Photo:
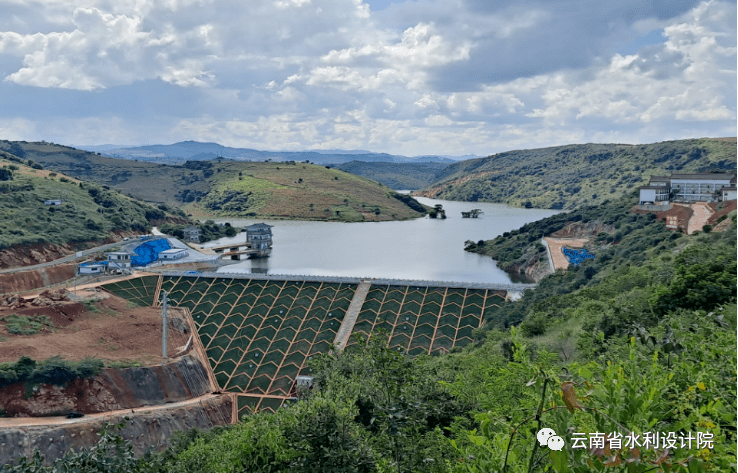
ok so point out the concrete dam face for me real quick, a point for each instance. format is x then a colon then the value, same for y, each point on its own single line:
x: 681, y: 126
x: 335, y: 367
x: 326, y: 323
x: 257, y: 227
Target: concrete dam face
x: 259, y: 332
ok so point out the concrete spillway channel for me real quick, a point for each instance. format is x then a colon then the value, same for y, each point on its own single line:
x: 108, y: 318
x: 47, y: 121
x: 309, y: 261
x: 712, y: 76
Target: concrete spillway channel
x: 347, y: 326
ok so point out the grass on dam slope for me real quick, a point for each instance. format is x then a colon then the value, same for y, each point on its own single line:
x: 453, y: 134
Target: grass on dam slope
x: 259, y: 334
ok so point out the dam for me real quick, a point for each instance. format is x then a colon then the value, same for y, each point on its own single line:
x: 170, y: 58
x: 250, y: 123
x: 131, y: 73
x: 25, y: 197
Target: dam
x: 259, y: 331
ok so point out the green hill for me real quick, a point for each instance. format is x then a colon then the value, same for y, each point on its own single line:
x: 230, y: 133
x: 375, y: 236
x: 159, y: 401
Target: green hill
x: 88, y: 212
x: 146, y: 181
x: 222, y: 188
x: 301, y: 191
x: 408, y: 176
x: 565, y: 177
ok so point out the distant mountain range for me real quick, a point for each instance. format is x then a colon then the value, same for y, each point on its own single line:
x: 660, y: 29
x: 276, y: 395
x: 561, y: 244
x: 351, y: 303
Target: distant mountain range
x: 178, y: 153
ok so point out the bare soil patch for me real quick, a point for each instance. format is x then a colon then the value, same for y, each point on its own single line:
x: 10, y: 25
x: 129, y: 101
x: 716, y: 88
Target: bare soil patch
x: 111, y: 329
x: 557, y: 253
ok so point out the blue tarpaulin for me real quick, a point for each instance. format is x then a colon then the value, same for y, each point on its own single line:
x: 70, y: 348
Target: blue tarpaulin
x: 576, y: 256
x: 95, y: 263
x: 148, y: 252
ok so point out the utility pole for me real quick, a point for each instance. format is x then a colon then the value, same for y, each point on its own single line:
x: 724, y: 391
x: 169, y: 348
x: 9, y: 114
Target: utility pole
x: 164, y: 326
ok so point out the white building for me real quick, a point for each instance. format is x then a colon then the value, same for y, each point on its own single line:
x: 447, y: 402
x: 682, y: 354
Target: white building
x: 700, y: 187
x: 119, y: 260
x: 93, y: 267
x: 697, y: 187
x: 174, y: 253
x: 729, y: 193
x: 191, y: 234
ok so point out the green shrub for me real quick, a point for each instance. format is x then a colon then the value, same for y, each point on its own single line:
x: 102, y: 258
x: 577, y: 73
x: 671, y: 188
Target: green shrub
x: 27, y: 324
x: 54, y: 370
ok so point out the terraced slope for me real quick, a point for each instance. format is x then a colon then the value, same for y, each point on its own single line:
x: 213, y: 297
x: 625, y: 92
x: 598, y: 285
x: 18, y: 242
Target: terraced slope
x: 140, y: 291
x: 260, y: 334
x: 425, y: 320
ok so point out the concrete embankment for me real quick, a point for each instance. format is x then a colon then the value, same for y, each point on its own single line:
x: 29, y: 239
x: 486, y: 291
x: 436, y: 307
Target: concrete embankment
x: 36, y: 278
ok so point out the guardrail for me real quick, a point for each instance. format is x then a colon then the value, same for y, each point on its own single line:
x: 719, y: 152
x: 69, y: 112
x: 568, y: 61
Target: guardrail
x: 352, y: 280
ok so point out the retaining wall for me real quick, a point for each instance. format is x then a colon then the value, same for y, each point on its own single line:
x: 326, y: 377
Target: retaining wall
x: 147, y: 428
x: 36, y: 278
x: 112, y: 389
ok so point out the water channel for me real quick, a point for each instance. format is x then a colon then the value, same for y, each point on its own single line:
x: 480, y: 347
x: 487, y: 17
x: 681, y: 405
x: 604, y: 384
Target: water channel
x: 424, y: 248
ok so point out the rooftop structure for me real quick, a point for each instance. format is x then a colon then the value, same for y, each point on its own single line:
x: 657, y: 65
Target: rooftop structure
x: 93, y: 267
x: 173, y: 253
x: 119, y: 260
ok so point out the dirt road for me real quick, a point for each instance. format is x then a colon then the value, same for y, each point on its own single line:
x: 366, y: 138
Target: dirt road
x: 556, y: 253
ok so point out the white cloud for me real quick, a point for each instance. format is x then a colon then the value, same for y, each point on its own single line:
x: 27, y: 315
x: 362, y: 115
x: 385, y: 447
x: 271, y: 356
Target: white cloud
x: 469, y: 76
x: 17, y: 129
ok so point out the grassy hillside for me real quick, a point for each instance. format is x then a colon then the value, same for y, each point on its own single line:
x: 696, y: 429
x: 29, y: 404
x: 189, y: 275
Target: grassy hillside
x: 299, y: 190
x: 150, y: 182
x: 565, y: 177
x: 89, y: 212
x: 409, y: 176
x: 222, y: 188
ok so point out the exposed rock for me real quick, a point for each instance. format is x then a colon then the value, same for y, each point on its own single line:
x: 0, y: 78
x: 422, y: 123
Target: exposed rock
x: 56, y: 294
x: 145, y: 430
x: 12, y: 301
x: 37, y: 278
x: 46, y: 400
x: 583, y: 230
x: 42, y: 302
x: 112, y: 389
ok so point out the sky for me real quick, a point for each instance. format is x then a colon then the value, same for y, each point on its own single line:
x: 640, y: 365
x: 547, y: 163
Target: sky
x: 412, y: 77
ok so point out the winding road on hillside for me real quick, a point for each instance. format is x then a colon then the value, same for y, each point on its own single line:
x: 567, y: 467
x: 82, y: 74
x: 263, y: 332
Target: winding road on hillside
x: 65, y: 259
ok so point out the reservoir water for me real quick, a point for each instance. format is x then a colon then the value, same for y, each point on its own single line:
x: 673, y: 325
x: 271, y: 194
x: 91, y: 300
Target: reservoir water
x: 425, y: 248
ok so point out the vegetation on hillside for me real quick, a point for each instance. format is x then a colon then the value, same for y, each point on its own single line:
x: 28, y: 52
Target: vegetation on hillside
x: 407, y: 176
x: 88, y: 212
x: 54, y: 370
x: 26, y: 324
x: 517, y: 249
x: 150, y: 182
x: 640, y: 340
x: 209, y: 230
x: 302, y: 191
x: 567, y: 177
x: 225, y: 188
